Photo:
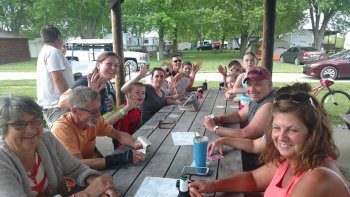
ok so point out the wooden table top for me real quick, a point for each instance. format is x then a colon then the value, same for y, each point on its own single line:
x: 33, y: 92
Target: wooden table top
x: 164, y: 159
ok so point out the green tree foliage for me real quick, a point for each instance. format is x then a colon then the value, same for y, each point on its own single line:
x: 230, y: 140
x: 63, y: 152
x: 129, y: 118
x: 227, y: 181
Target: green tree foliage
x: 321, y: 13
x: 84, y: 18
x: 13, y: 14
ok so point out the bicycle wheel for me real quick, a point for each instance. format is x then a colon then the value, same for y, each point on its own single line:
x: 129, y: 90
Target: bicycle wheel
x: 336, y: 103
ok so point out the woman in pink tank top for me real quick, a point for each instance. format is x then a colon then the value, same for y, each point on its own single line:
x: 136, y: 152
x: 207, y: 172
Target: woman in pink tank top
x: 299, y: 155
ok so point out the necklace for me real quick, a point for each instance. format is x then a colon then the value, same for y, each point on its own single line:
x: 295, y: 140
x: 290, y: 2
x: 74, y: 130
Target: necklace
x: 29, y: 171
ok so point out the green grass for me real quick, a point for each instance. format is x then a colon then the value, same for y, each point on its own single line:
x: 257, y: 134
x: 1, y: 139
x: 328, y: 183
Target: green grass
x: 211, y: 60
x: 28, y: 87
x: 338, y: 86
x: 27, y: 66
x: 18, y: 87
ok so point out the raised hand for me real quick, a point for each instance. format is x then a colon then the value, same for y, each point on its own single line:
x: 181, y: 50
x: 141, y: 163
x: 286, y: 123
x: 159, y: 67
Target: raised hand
x: 177, y: 77
x: 196, y: 67
x: 172, y: 83
x: 96, y: 82
x: 131, y: 104
x: 222, y: 70
x: 143, y: 71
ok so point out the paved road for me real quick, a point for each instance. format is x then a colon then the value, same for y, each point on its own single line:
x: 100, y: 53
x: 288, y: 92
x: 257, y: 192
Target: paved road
x: 276, y: 77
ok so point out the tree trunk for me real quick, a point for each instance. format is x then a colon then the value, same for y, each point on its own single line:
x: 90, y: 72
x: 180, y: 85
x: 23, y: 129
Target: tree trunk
x: 318, y: 31
x: 175, y: 40
x: 244, y: 43
x: 161, y: 42
x: 222, y: 42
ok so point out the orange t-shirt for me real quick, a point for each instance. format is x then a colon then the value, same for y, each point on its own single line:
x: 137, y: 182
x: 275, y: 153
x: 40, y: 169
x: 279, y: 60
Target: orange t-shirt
x: 76, y: 140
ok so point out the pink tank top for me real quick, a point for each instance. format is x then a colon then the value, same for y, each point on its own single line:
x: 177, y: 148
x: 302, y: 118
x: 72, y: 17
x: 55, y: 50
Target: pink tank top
x: 275, y: 190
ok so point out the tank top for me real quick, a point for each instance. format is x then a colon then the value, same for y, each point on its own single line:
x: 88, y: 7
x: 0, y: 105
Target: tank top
x: 275, y: 190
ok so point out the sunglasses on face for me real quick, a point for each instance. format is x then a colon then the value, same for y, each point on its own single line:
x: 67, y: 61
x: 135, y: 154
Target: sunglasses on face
x: 22, y: 125
x: 167, y: 70
x: 176, y: 61
x: 299, y: 98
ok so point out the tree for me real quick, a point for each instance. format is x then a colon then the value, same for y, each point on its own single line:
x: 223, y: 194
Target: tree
x: 13, y: 14
x: 84, y: 18
x: 321, y: 12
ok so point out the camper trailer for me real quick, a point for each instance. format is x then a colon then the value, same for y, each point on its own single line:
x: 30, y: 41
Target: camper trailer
x: 303, y: 38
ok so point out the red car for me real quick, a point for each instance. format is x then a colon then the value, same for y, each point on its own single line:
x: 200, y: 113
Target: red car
x: 334, y: 66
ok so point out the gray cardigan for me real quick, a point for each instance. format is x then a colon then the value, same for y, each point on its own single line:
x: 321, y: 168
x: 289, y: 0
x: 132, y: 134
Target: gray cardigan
x: 57, y: 162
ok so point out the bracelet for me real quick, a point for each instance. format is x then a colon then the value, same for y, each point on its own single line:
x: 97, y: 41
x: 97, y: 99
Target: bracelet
x: 122, y: 111
x: 221, y: 120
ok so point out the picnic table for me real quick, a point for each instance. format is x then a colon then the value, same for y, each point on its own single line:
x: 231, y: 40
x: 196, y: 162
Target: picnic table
x: 164, y: 159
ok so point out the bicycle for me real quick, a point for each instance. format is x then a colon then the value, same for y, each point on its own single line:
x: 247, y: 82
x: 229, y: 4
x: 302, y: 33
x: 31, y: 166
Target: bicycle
x: 335, y: 102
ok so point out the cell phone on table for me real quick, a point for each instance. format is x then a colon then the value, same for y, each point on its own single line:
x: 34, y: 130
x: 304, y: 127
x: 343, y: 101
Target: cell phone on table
x: 201, y: 171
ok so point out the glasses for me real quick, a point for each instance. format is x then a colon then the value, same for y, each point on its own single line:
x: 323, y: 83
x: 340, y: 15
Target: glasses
x: 296, y: 98
x: 167, y: 70
x: 22, y: 125
x: 92, y: 112
x: 176, y: 61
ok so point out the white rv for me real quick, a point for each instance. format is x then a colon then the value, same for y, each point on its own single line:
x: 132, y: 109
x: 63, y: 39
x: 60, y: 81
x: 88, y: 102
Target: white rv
x: 303, y: 38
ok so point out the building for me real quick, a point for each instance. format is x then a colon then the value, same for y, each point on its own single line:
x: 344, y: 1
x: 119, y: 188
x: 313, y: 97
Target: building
x: 13, y: 48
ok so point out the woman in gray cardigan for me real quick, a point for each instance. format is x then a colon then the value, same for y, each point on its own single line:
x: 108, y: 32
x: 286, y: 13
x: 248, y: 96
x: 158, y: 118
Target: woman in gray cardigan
x: 33, y: 162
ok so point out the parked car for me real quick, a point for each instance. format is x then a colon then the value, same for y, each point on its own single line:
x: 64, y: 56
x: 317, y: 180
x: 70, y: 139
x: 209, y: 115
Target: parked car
x: 300, y: 55
x: 334, y: 66
x: 207, y: 47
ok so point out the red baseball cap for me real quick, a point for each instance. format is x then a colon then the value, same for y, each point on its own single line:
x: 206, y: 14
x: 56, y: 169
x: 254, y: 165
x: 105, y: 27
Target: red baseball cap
x: 258, y: 73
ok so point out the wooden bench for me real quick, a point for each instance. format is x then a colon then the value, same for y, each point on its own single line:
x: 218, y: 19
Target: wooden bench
x: 346, y: 118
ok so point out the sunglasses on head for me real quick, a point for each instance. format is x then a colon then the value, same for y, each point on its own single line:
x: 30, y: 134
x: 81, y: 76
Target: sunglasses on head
x: 299, y: 98
x: 176, y: 61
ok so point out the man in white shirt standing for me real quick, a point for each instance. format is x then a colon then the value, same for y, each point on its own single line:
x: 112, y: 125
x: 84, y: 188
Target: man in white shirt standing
x: 54, y: 74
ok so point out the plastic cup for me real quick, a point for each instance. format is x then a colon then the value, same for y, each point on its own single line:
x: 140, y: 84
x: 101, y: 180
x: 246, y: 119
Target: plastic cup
x: 200, y: 144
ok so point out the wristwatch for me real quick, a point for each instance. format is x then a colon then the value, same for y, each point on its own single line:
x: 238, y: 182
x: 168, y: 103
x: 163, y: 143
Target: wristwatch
x: 216, y: 128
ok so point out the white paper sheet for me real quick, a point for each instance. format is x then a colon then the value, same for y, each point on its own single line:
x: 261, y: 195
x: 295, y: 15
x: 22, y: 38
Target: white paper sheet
x: 173, y: 115
x: 183, y: 138
x: 145, y: 144
x: 157, y: 187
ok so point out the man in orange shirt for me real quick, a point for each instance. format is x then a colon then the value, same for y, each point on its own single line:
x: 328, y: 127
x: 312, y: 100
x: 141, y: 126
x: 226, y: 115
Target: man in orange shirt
x: 77, y: 131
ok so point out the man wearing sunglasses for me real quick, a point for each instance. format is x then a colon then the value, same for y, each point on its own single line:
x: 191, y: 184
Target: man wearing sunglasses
x: 77, y: 131
x: 176, y: 64
x: 255, y: 116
